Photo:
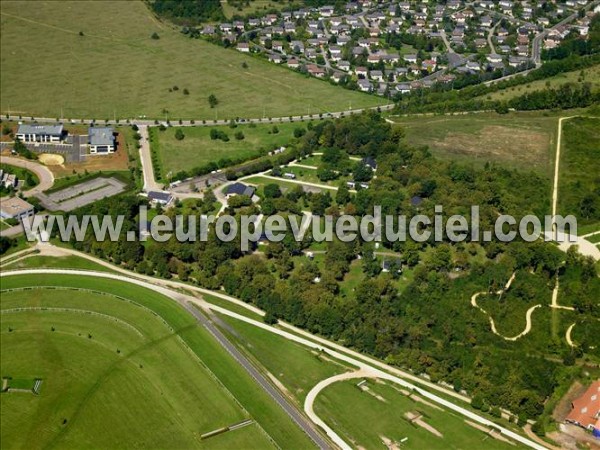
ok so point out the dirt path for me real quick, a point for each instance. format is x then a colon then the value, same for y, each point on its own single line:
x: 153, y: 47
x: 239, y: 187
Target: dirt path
x: 528, y: 323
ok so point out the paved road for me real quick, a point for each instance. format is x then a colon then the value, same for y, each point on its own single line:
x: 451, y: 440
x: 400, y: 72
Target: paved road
x: 44, y: 174
x: 186, y: 301
x: 150, y: 183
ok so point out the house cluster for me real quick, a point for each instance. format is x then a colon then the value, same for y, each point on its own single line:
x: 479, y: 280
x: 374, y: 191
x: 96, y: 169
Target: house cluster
x: 100, y: 140
x: 390, y: 47
x: 9, y: 180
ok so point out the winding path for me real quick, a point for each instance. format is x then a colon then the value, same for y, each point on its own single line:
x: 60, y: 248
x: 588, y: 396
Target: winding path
x: 528, y: 323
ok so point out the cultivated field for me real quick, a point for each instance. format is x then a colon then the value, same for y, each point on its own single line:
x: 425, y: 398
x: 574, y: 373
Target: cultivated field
x: 136, y: 373
x: 198, y: 149
x: 377, y: 419
x: 519, y: 140
x: 105, y: 64
x: 589, y: 75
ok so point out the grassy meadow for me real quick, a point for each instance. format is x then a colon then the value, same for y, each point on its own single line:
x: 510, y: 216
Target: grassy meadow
x: 589, y: 75
x: 97, y: 60
x: 579, y: 176
x: 197, y: 148
x: 523, y: 141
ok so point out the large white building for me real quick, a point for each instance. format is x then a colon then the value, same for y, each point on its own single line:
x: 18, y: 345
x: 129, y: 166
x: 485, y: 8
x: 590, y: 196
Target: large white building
x: 40, y: 133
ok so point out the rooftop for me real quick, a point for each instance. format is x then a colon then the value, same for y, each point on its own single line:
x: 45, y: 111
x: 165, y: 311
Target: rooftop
x: 101, y: 136
x: 25, y: 128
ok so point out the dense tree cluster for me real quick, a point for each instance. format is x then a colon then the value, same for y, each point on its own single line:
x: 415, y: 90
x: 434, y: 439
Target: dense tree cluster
x: 188, y: 12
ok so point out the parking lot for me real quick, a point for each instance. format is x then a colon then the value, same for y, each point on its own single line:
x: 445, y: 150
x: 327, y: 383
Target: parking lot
x: 82, y: 194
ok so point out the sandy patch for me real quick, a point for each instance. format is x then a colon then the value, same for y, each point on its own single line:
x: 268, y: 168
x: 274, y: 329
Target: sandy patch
x: 391, y: 445
x: 417, y: 419
x: 51, y: 159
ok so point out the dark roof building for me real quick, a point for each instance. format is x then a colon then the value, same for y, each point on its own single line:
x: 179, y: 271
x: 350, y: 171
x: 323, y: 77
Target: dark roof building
x: 240, y: 189
x: 163, y: 198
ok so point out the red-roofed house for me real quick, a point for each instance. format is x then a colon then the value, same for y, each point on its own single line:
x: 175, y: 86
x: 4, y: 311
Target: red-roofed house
x: 586, y: 410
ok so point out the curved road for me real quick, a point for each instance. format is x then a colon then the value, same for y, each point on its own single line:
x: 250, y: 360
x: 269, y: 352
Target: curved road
x: 185, y: 300
x: 43, y: 173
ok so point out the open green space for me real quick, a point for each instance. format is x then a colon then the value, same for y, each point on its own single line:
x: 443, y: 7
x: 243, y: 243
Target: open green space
x: 152, y: 366
x: 197, y: 148
x: 579, y: 178
x: 260, y: 182
x: 296, y: 367
x: 105, y: 64
x: 518, y: 140
x: 589, y: 75
x: 67, y: 262
x: 378, y: 414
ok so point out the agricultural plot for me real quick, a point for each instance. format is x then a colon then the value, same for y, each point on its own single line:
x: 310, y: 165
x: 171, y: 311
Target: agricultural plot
x: 107, y: 65
x: 152, y: 365
x: 518, y: 140
x: 384, y: 415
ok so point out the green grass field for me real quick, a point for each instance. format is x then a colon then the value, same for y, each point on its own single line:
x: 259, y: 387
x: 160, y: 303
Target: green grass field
x: 198, y: 149
x: 518, y: 140
x: 156, y: 379
x: 116, y: 69
x: 370, y: 419
x: 69, y: 262
x: 296, y: 367
x: 579, y: 177
x: 590, y: 75
x: 22, y: 174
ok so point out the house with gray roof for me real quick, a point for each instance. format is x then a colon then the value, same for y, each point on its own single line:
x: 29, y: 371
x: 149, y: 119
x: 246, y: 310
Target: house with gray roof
x: 101, y: 140
x: 40, y: 133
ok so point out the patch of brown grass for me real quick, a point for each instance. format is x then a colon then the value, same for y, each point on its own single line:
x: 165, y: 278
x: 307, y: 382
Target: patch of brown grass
x: 493, y: 141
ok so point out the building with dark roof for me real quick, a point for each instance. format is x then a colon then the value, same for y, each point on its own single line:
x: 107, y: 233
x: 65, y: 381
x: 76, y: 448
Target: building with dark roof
x: 160, y: 198
x: 240, y: 189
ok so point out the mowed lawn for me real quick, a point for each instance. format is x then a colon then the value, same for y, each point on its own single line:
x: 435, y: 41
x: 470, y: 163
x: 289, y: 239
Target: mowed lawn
x: 197, y: 148
x: 368, y: 418
x: 117, y: 69
x: 117, y: 373
x: 517, y: 140
x: 579, y: 177
x: 590, y: 75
